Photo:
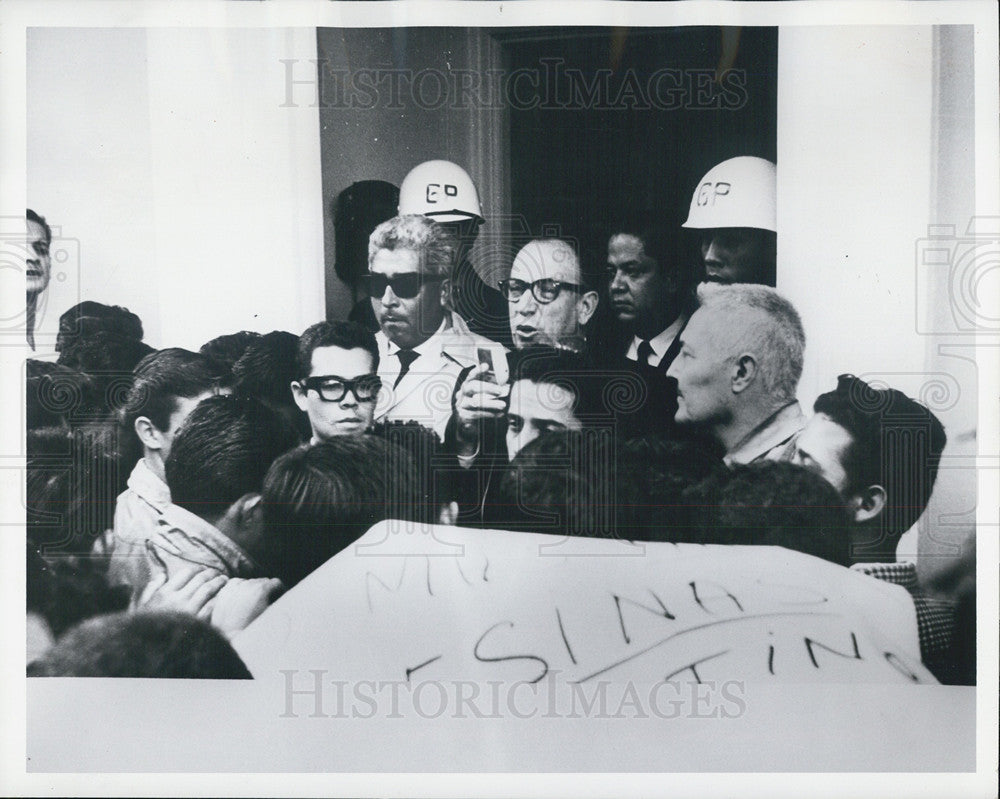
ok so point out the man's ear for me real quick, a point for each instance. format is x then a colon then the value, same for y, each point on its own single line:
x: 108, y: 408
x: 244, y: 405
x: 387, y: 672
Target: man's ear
x: 299, y: 395
x: 251, y: 509
x: 586, y: 306
x: 446, y: 288
x: 149, y: 434
x: 744, y: 372
x: 867, y: 504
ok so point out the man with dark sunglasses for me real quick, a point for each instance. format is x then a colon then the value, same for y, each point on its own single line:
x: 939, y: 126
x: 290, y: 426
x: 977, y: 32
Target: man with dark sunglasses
x: 423, y: 347
x: 338, y: 385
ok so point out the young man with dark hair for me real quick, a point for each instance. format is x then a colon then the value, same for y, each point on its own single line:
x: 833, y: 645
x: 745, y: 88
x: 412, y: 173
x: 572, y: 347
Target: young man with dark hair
x: 319, y: 499
x: 167, y: 385
x: 881, y: 451
x: 336, y: 380
x: 215, y: 472
x: 172, y: 645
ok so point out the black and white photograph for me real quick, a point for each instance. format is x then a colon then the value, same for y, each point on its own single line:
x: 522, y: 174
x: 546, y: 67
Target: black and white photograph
x: 500, y: 398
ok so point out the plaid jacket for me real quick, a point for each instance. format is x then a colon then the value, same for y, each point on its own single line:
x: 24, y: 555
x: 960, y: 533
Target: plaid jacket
x: 935, y: 617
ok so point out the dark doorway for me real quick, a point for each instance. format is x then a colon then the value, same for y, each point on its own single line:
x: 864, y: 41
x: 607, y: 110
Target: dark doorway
x: 607, y: 122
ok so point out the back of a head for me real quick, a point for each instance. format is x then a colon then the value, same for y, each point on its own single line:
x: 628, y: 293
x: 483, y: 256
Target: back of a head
x: 222, y: 452
x: 357, y: 211
x: 772, y: 504
x: 562, y: 483
x: 72, y: 480
x: 87, y: 318
x: 228, y: 349
x: 759, y: 320
x: 267, y: 368
x: 105, y: 354
x: 56, y: 395
x: 162, y: 377
x: 170, y: 645
x: 653, y: 475
x: 896, y: 443
x: 319, y: 499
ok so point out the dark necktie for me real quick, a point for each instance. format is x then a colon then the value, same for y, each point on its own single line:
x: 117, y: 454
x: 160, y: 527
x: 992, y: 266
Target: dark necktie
x: 644, y: 352
x: 406, y: 359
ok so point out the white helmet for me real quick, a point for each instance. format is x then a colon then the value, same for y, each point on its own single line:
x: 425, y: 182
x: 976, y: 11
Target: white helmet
x: 739, y: 192
x: 441, y: 190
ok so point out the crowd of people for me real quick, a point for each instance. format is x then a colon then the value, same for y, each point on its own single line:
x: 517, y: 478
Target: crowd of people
x: 174, y: 495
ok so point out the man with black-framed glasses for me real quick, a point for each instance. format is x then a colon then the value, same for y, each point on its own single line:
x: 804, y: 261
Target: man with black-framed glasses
x: 550, y: 303
x: 338, y: 385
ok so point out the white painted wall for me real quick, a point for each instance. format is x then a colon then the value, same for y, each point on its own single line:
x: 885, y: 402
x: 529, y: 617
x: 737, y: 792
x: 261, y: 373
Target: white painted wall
x: 194, y: 196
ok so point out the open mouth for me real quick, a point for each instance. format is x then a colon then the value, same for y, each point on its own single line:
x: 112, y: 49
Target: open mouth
x: 34, y: 273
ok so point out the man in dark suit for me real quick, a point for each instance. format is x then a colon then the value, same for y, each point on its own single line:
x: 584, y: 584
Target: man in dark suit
x: 648, y: 291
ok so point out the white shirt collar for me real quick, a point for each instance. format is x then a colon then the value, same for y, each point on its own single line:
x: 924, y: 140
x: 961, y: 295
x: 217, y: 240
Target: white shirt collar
x: 660, y: 342
x: 425, y: 347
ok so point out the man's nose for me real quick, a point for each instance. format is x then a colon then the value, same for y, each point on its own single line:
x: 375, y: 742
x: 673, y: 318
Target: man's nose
x: 526, y: 304
x: 389, y: 299
x: 617, y: 283
x: 348, y: 400
x: 711, y: 252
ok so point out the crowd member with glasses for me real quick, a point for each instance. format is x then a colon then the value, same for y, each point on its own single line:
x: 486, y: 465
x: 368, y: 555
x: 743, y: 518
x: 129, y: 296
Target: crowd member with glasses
x: 550, y: 302
x: 338, y: 383
x: 423, y: 347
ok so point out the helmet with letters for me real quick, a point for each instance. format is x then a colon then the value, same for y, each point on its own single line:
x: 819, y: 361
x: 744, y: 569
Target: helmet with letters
x: 740, y: 192
x: 441, y: 190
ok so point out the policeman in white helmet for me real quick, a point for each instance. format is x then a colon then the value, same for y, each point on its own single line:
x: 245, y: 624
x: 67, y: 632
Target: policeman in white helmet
x: 734, y: 207
x: 443, y: 191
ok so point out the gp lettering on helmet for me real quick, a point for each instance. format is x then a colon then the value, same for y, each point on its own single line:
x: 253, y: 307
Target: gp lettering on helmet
x: 708, y: 192
x: 740, y: 192
x: 436, y: 191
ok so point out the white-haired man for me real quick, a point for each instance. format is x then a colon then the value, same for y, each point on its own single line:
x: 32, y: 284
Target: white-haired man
x: 423, y: 347
x: 738, y: 370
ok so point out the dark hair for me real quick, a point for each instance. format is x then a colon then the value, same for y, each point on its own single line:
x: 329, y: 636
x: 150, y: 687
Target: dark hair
x: 267, y: 367
x: 222, y: 452
x: 574, y: 373
x: 227, y: 350
x: 109, y: 359
x: 664, y: 243
x: 143, y: 644
x: 58, y: 396
x: 73, y: 478
x: 319, y: 499
x: 67, y: 590
x: 164, y: 376
x: 653, y: 475
x: 771, y: 504
x: 33, y: 217
x: 87, y: 318
x: 561, y: 483
x: 895, y: 442
x: 346, y: 335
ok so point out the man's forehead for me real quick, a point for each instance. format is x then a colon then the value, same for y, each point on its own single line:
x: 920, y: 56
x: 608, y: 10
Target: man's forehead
x: 539, y: 260
x: 625, y: 245
x: 542, y: 398
x: 340, y: 361
x: 397, y: 261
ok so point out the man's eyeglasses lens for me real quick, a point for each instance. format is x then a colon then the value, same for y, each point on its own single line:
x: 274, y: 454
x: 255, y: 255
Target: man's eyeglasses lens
x: 545, y: 290
x: 405, y: 286
x: 334, y: 388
